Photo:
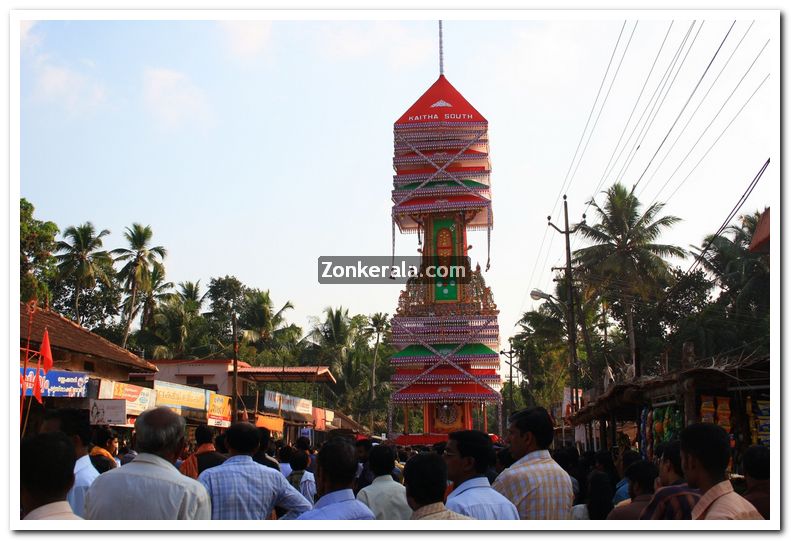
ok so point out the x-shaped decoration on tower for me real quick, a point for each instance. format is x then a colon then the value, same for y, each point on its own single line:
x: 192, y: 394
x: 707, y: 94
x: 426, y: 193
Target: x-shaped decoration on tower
x: 440, y: 170
x: 446, y: 357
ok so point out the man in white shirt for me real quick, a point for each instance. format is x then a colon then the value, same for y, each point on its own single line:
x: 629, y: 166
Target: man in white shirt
x: 384, y: 496
x: 46, y: 473
x: 77, y: 427
x: 150, y: 487
x: 468, y: 455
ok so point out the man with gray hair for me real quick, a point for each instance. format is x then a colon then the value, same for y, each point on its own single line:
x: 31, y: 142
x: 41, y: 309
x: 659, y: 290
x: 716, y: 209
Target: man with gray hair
x: 150, y: 487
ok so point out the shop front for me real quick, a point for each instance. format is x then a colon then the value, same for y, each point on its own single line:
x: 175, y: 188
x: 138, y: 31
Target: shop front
x: 296, y: 412
x: 59, y: 389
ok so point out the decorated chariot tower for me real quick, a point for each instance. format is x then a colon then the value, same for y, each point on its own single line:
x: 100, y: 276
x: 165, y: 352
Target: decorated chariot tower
x: 446, y: 329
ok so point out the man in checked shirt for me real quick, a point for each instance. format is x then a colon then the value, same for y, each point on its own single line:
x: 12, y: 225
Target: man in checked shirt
x: 241, y: 489
x: 538, y: 487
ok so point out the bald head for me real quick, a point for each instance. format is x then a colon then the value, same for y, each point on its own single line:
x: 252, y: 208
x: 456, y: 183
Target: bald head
x: 160, y: 432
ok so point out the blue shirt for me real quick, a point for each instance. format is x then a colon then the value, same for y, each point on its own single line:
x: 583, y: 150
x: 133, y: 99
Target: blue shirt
x: 241, y: 489
x: 621, y: 491
x: 476, y: 498
x: 339, y: 505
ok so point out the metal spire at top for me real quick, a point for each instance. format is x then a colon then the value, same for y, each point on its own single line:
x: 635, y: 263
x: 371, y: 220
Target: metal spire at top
x: 441, y: 66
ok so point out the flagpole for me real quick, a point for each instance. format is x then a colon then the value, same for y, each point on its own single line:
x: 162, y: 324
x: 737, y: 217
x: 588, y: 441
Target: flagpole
x: 27, y: 415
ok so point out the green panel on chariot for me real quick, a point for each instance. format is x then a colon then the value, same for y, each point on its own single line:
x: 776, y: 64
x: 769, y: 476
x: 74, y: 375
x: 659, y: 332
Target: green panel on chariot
x: 442, y: 184
x: 444, y: 238
x: 416, y: 350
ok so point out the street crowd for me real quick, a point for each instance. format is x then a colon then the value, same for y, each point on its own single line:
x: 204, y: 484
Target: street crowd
x: 69, y: 472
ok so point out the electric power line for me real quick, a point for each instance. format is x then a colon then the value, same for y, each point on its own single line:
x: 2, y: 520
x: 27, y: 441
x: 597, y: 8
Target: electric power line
x: 710, y: 123
x: 660, y: 103
x: 702, y: 101
x: 574, y: 157
x: 691, y: 95
x: 719, y: 137
x: 634, y: 108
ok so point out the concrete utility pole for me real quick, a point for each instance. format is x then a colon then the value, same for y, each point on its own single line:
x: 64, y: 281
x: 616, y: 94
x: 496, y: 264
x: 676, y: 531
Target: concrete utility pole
x: 510, y: 354
x: 570, y: 324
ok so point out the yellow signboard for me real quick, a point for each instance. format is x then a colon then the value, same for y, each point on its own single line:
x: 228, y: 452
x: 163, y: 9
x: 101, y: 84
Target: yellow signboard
x: 219, y: 410
x: 173, y: 394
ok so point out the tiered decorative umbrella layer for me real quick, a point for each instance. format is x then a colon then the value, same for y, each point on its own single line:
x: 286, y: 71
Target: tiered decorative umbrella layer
x: 448, y: 365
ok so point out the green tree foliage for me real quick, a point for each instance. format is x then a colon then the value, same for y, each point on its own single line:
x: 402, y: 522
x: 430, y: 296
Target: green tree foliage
x: 542, y: 352
x: 265, y: 327
x: 138, y: 260
x: 81, y: 261
x: 37, y: 265
x: 99, y: 305
x: 625, y: 261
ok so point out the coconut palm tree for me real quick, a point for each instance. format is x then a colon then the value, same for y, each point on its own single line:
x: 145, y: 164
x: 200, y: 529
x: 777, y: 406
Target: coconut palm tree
x: 335, y: 335
x: 139, y: 259
x: 265, y: 327
x: 378, y: 325
x: 173, y: 326
x: 81, y: 260
x: 625, y: 258
x: 189, y: 294
x: 156, y: 290
x: 743, y: 275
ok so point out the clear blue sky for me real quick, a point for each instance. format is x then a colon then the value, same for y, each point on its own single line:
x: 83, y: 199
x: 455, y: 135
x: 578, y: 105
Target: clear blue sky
x: 253, y: 148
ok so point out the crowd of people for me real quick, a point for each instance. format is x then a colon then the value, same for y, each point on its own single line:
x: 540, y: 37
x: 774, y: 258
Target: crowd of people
x: 69, y: 472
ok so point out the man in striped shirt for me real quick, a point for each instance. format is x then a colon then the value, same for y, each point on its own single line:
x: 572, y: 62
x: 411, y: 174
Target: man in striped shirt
x: 675, y: 499
x: 538, y: 487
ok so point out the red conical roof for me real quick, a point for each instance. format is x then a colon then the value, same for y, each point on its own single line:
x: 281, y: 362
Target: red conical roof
x: 441, y: 103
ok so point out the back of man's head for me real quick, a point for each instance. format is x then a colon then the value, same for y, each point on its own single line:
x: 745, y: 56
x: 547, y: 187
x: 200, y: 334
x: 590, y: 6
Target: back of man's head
x: 285, y: 453
x: 299, y: 460
x: 709, y: 444
x: 641, y: 475
x: 756, y: 462
x: 671, y: 453
x: 302, y: 443
x: 536, y: 420
x: 46, y: 465
x: 381, y: 460
x: 242, y: 438
x: 159, y: 431
x: 628, y: 458
x: 203, y: 434
x: 102, y: 435
x: 476, y: 445
x: 263, y: 438
x: 73, y: 423
x: 338, y: 462
x: 426, y: 478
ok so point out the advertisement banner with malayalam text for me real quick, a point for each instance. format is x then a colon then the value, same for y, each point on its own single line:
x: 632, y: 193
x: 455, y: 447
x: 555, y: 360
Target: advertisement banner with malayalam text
x: 139, y: 399
x: 173, y: 394
x: 56, y: 382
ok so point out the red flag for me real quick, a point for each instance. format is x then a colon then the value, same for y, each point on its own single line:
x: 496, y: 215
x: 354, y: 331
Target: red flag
x: 46, y: 352
x: 37, y: 384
